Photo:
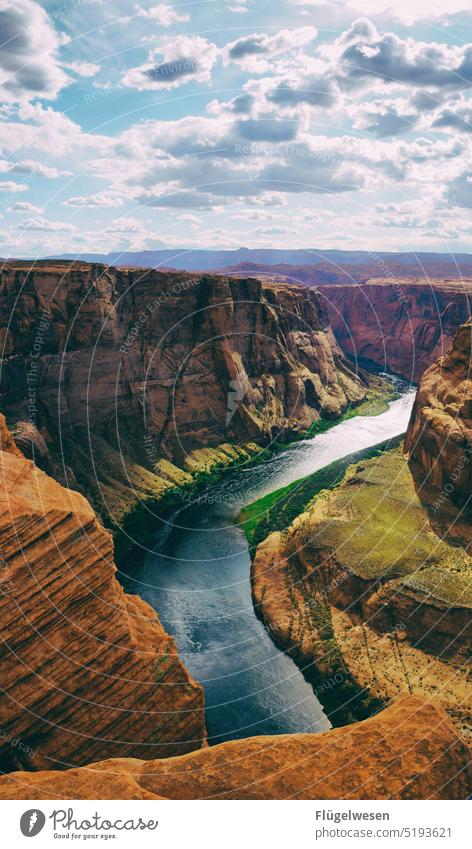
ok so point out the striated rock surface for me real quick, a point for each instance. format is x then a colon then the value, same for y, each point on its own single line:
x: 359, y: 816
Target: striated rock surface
x: 365, y: 595
x: 409, y: 751
x: 112, y: 378
x: 439, y: 438
x: 402, y: 325
x: 86, y: 671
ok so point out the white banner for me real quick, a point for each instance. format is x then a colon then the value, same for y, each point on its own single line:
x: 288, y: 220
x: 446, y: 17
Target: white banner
x: 242, y: 825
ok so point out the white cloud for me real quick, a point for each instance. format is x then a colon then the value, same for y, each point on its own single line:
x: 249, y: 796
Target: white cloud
x: 83, y: 69
x: 406, y: 11
x: 25, y: 206
x: 176, y: 61
x: 29, y: 63
x: 255, y: 52
x: 30, y: 168
x: 35, y: 127
x: 163, y: 14
x: 11, y: 186
x: 104, y: 199
x: 43, y: 225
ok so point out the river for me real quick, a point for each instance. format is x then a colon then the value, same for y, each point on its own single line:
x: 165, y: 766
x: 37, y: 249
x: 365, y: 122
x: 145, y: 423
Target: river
x: 197, y: 578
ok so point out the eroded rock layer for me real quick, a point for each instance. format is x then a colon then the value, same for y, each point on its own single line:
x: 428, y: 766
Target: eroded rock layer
x: 402, y: 325
x: 108, y: 373
x: 368, y: 598
x: 409, y: 751
x: 439, y: 439
x: 86, y: 671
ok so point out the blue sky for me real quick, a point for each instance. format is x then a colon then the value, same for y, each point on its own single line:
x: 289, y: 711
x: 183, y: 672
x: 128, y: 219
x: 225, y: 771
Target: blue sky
x: 296, y: 123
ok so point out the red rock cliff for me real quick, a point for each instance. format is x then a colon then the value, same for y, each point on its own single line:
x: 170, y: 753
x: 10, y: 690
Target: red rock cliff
x: 86, y: 671
x: 163, y: 363
x: 400, y: 325
x: 439, y: 438
x: 409, y: 751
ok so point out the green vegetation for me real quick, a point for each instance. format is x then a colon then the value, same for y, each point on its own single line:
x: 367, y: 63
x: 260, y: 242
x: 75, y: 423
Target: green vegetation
x: 277, y: 510
x: 446, y: 587
x: 163, y: 491
x: 378, y: 527
x: 376, y: 402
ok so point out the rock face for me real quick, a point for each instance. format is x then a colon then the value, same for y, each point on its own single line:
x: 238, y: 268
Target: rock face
x: 439, y: 438
x: 402, y: 325
x: 363, y: 593
x: 106, y: 372
x: 409, y: 751
x: 86, y: 671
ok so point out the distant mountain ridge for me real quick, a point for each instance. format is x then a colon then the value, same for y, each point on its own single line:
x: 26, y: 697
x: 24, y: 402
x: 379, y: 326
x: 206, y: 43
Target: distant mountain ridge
x: 373, y: 263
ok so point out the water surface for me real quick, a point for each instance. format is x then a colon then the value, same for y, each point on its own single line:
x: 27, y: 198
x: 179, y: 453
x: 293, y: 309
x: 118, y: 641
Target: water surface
x: 198, y: 580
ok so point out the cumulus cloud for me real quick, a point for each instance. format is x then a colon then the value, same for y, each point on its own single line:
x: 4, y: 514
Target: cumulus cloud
x: 83, y: 69
x: 31, y: 168
x: 25, y: 206
x: 365, y: 55
x: 313, y: 89
x: 406, y: 11
x: 385, y: 119
x: 44, y: 226
x: 267, y: 129
x: 174, y: 62
x: 11, y: 186
x: 49, y: 131
x: 240, y: 105
x: 29, y: 64
x: 457, y: 118
x: 104, y: 199
x: 459, y: 192
x: 256, y: 51
x: 176, y: 199
x: 163, y: 14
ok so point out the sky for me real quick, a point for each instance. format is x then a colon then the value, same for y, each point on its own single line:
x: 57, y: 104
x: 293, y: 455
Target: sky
x: 258, y: 123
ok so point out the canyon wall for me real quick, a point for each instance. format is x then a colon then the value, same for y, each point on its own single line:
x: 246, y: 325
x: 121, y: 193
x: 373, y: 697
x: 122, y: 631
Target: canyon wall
x: 409, y: 751
x: 111, y: 374
x: 403, y: 326
x: 362, y: 592
x: 439, y: 439
x: 86, y: 671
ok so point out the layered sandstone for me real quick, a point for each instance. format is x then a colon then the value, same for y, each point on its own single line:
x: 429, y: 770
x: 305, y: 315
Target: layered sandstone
x: 86, y: 671
x: 409, y: 751
x: 112, y: 378
x: 400, y: 325
x: 361, y: 590
x: 439, y: 438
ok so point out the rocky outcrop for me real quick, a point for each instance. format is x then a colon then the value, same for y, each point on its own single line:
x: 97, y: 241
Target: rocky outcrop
x: 439, y: 438
x: 361, y: 591
x: 113, y: 377
x: 409, y: 751
x: 401, y: 325
x: 86, y: 671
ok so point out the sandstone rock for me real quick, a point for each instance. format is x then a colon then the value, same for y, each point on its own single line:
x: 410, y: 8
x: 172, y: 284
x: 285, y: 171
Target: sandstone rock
x: 86, y: 671
x: 361, y: 565
x: 122, y: 367
x: 439, y: 438
x: 402, y: 325
x: 7, y: 443
x: 409, y: 751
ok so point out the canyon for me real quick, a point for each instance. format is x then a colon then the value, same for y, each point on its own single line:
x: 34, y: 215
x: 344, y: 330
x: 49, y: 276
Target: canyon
x: 373, y: 581
x: 122, y: 383
x: 409, y: 751
x: 439, y: 440
x: 85, y: 669
x: 401, y: 325
x: 129, y: 385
